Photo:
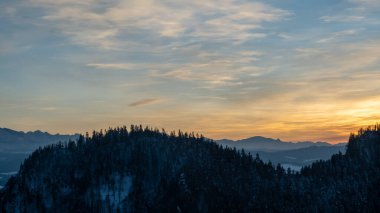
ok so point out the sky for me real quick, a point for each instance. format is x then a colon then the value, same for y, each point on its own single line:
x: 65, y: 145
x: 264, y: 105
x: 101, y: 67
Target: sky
x: 289, y: 69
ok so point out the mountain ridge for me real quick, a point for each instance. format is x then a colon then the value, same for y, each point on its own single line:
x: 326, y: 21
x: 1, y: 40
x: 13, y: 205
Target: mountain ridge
x: 259, y: 138
x: 15, y: 146
x: 7, y: 132
x: 260, y: 143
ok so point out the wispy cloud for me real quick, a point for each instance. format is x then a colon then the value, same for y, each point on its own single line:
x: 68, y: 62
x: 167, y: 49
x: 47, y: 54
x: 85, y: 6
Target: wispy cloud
x: 217, y: 73
x: 368, y: 3
x: 359, y: 12
x: 48, y: 108
x: 144, y: 102
x: 104, y: 27
x: 342, y: 18
x: 116, y: 66
x: 336, y: 35
x: 251, y: 53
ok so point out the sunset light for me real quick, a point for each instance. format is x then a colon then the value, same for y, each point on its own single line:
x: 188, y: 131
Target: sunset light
x: 228, y: 69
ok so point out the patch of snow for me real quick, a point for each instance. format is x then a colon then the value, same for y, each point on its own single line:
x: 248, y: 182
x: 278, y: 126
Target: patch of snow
x: 9, y: 173
x: 66, y: 190
x: 292, y: 167
x: 311, y: 160
x: 288, y: 157
x: 118, y: 193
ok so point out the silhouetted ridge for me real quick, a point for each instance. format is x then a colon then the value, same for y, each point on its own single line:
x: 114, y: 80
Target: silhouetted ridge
x: 259, y: 143
x: 260, y: 139
x: 147, y: 170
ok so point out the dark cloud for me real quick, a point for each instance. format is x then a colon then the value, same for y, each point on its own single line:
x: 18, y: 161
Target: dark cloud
x: 144, y: 102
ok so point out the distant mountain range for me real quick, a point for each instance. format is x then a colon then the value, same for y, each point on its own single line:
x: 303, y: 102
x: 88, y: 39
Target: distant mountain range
x: 18, y: 141
x: 292, y: 155
x: 259, y: 143
x: 297, y: 158
x: 15, y: 146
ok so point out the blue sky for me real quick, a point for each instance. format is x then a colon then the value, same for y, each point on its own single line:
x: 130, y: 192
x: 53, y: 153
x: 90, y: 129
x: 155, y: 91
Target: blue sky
x: 297, y: 70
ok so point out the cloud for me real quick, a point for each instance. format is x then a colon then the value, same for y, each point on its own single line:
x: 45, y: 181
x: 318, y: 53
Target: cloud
x: 285, y: 36
x: 48, y: 108
x: 363, y: 12
x: 61, y: 2
x: 144, y: 102
x: 108, y: 24
x: 251, y: 53
x: 368, y: 3
x: 153, y: 67
x: 117, y: 66
x: 180, y: 74
x: 307, y: 52
x: 337, y: 35
x: 342, y: 18
x: 217, y: 73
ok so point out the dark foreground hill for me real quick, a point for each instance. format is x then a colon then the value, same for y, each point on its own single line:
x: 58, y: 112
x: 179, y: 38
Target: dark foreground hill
x: 145, y: 170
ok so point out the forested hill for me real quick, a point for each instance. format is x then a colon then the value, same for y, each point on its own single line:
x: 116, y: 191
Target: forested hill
x: 146, y: 170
